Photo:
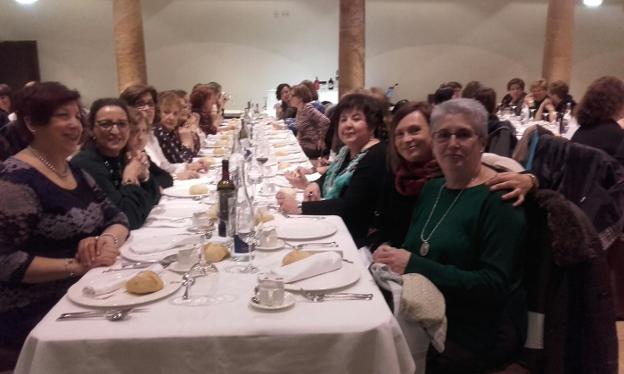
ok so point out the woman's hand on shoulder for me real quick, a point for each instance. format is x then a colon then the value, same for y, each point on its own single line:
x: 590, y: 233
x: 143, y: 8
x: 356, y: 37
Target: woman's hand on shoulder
x: 519, y: 184
x: 396, y: 258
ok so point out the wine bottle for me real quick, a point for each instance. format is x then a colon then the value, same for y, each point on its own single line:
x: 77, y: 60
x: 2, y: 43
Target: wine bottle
x: 226, y: 190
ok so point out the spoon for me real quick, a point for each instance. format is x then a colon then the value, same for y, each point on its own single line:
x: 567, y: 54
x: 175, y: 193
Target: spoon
x: 117, y: 315
x: 188, y: 282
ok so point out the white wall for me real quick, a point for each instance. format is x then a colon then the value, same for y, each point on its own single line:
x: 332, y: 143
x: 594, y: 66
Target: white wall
x: 252, y: 45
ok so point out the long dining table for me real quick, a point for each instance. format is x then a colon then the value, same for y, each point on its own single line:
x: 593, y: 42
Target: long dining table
x: 226, y: 333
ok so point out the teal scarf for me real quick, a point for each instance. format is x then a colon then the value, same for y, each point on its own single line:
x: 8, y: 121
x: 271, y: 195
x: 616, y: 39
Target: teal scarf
x: 335, y: 182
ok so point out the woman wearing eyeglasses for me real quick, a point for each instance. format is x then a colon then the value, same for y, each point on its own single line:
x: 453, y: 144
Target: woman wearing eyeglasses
x: 468, y: 242
x: 127, y: 182
x: 55, y: 222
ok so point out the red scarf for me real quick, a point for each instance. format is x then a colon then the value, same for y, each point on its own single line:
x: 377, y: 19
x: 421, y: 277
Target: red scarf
x: 410, y: 177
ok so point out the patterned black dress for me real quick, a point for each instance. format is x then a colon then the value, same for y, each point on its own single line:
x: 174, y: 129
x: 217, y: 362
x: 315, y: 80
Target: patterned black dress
x: 39, y: 218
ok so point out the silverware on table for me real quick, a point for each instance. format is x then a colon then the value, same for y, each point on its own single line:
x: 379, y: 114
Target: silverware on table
x: 109, y: 314
x: 336, y: 296
x: 166, y: 261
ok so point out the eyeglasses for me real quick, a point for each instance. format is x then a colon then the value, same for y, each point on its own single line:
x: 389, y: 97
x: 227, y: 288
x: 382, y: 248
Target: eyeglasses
x: 144, y: 105
x: 108, y: 125
x: 444, y: 136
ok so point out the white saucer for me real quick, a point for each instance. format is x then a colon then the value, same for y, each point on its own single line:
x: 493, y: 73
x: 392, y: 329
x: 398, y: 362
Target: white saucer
x: 176, y: 267
x: 289, y: 301
x: 279, y: 245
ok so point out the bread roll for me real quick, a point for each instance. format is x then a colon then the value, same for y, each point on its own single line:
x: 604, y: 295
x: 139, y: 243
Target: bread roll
x: 219, y: 151
x: 280, y: 152
x: 294, y: 256
x: 213, y: 212
x: 215, y: 252
x: 283, y: 165
x: 198, y: 189
x: 145, y: 282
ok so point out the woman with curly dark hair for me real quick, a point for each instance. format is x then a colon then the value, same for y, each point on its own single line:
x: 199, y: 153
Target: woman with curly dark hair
x: 352, y: 183
x: 597, y: 114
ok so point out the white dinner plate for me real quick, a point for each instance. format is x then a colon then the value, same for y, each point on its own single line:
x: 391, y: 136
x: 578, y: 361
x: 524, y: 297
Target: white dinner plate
x: 347, y: 275
x: 289, y: 300
x: 278, y: 245
x: 127, y: 251
x: 120, y: 297
x: 304, y: 229
x: 183, y: 191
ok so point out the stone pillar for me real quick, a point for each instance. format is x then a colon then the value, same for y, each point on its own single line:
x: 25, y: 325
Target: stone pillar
x: 351, y: 45
x: 129, y: 44
x: 557, y: 63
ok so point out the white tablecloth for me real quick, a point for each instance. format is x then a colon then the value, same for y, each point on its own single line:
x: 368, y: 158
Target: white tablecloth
x: 231, y: 337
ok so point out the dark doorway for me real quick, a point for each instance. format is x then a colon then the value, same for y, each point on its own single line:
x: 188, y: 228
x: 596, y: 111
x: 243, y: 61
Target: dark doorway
x: 19, y: 63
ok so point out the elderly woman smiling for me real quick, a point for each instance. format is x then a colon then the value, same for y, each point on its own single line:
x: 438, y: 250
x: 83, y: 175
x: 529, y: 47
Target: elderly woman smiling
x: 351, y: 185
x: 468, y: 242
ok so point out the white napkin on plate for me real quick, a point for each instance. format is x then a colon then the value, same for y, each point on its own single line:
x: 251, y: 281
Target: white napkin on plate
x: 160, y: 244
x: 109, y: 284
x: 318, y: 263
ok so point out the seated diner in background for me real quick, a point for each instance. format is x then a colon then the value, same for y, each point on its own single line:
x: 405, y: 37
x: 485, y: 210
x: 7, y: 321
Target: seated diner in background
x: 139, y: 134
x: 56, y: 223
x: 352, y: 183
x: 311, y: 124
x: 514, y: 99
x: 126, y: 182
x: 144, y: 98
x: 205, y: 103
x: 178, y: 145
x: 559, y: 100
x: 469, y: 242
x: 598, y: 113
x: 537, y: 99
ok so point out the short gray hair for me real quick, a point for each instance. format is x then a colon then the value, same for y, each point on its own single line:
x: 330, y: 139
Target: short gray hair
x: 471, y: 109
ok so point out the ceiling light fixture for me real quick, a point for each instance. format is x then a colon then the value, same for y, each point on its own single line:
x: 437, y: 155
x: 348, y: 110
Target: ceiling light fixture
x: 26, y: 2
x: 592, y: 3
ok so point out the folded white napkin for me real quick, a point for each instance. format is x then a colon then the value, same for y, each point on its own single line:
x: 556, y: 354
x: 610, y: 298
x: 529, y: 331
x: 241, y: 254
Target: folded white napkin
x: 109, y: 284
x: 160, y: 244
x: 311, y: 266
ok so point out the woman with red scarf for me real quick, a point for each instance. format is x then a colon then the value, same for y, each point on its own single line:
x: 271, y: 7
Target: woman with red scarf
x: 411, y: 166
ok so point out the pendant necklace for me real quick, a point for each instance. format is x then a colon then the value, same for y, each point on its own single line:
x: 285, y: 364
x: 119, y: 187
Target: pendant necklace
x: 424, y: 247
x: 48, y: 164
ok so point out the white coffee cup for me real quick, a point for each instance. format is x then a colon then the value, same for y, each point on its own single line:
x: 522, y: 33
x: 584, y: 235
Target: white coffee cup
x: 187, y: 257
x: 268, y: 236
x: 270, y: 290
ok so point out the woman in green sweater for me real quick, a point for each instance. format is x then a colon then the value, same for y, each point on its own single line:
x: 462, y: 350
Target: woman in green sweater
x: 125, y: 180
x: 468, y: 242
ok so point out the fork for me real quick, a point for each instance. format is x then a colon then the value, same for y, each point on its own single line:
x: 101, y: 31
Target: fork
x: 96, y: 313
x: 321, y: 297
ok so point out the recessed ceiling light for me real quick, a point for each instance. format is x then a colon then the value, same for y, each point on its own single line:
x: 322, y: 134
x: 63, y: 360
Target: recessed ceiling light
x: 592, y: 2
x: 26, y: 2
